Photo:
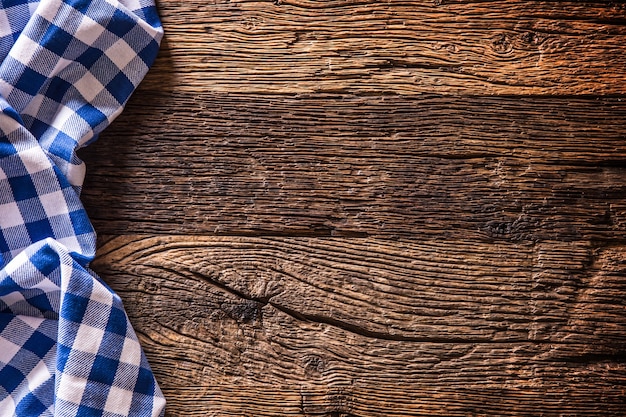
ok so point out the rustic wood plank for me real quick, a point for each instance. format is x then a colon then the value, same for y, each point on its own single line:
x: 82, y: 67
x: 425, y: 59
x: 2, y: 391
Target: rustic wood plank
x: 363, y: 327
x: 518, y: 168
x: 453, y: 291
x: 366, y: 46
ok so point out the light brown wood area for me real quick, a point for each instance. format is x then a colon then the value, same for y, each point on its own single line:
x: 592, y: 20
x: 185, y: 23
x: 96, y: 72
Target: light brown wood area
x: 356, y: 208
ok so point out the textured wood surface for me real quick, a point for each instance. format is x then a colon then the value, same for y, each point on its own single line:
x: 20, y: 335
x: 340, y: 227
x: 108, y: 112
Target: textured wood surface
x: 396, y: 46
x: 520, y: 168
x: 310, y: 326
x: 358, y: 208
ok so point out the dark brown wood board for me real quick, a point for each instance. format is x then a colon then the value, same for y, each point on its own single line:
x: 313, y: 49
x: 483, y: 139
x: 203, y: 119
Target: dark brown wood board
x: 359, y: 208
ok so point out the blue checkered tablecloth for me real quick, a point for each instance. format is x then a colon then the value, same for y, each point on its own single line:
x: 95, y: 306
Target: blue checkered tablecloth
x: 67, y: 67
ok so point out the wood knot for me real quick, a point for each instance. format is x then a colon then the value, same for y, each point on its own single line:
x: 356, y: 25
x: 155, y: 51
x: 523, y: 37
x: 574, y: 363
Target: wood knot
x: 332, y: 401
x: 531, y: 38
x: 251, y: 23
x: 314, y: 363
x: 453, y: 49
x: 501, y: 44
x: 151, y: 287
x: 243, y: 312
x: 499, y: 228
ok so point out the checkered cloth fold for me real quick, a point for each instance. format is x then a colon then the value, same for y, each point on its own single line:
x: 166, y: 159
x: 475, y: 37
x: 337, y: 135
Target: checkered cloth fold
x: 67, y: 67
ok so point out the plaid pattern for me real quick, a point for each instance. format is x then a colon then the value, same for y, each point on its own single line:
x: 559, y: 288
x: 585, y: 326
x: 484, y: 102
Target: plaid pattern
x: 67, y: 67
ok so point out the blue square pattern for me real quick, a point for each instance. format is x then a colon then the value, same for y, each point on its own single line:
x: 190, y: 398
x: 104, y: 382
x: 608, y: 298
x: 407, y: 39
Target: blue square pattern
x: 145, y: 383
x: 41, y: 301
x: 81, y: 5
x: 90, y: 56
x: 121, y: 88
x: 121, y: 23
x: 63, y: 146
x: 22, y: 187
x: 87, y: 411
x: 46, y: 261
x: 149, y: 14
x: 92, y: 115
x: 39, y: 230
x: 75, y: 307
x: 57, y: 88
x: 39, y: 344
x: 80, y: 223
x: 5, y: 248
x: 31, y: 81
x: 63, y: 357
x: 117, y: 322
x: 5, y: 319
x: 56, y: 40
x: 7, y: 150
x: 148, y: 53
x: 101, y: 370
x: 9, y: 286
x: 46, y: 249
x: 30, y: 405
x: 10, y: 378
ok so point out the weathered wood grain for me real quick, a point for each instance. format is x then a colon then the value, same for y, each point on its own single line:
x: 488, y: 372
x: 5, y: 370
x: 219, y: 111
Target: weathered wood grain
x: 285, y: 326
x: 400, y: 47
x: 430, y: 291
x: 353, y: 208
x: 506, y: 168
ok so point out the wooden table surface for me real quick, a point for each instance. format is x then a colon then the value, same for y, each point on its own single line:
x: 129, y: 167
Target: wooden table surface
x: 374, y: 208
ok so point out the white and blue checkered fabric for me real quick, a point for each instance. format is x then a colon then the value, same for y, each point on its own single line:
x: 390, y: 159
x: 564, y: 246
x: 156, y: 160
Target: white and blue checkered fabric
x: 67, y: 67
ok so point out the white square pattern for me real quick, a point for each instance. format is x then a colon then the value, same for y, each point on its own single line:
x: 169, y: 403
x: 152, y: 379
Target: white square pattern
x: 54, y: 203
x: 38, y: 376
x: 49, y: 9
x: 121, y: 53
x: 71, y: 388
x: 8, y: 350
x: 5, y: 26
x: 88, y: 339
x: 24, y: 50
x: 63, y: 115
x: 131, y: 352
x: 89, y: 86
x: 34, y: 160
x: 10, y: 215
x: 118, y: 401
x: 88, y: 30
